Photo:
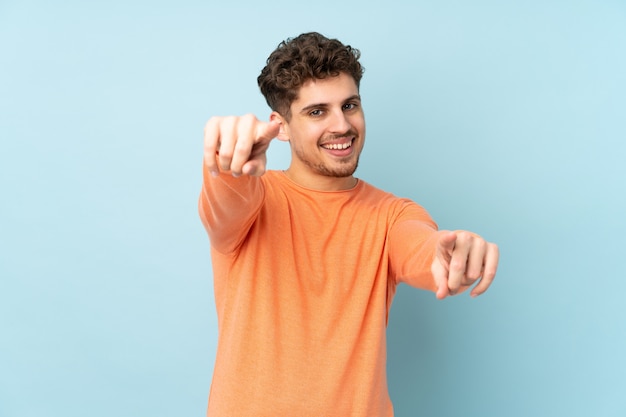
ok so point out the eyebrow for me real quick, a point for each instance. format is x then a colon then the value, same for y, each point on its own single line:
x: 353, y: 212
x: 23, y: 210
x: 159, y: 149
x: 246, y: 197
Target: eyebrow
x: 324, y: 105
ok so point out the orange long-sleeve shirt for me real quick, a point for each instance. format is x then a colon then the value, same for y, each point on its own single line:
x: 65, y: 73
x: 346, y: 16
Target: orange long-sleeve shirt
x: 303, y: 285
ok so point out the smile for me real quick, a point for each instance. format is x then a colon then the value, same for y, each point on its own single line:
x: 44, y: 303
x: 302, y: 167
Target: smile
x: 337, y: 146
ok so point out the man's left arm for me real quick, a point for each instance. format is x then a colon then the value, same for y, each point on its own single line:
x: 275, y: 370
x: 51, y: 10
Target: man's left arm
x: 444, y: 262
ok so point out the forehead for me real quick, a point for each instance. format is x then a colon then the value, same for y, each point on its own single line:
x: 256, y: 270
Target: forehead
x: 326, y: 90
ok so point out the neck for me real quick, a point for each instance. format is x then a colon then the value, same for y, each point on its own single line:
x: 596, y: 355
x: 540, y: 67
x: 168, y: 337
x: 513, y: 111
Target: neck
x: 321, y: 182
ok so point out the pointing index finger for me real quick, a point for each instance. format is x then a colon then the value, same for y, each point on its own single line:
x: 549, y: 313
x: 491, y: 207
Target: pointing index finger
x: 458, y: 263
x: 267, y: 130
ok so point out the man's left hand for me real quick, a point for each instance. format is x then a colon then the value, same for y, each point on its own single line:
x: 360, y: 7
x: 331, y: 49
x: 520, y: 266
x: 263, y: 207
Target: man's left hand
x: 462, y: 259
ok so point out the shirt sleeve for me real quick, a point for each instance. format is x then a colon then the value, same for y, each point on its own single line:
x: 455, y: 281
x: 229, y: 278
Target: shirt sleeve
x: 412, y: 239
x: 228, y: 207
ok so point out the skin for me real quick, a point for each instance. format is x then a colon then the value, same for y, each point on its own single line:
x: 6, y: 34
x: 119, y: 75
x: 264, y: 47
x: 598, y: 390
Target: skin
x: 327, y: 114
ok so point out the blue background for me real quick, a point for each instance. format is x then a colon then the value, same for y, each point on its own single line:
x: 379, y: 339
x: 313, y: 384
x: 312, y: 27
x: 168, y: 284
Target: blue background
x: 504, y: 118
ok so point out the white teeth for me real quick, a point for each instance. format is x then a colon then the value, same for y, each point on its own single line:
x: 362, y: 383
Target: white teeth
x: 337, y: 145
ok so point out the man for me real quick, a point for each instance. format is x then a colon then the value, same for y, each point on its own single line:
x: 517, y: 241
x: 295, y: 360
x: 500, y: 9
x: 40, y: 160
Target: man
x: 306, y: 261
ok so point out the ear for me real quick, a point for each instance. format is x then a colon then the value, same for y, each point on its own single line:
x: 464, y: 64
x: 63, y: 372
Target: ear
x: 282, y: 133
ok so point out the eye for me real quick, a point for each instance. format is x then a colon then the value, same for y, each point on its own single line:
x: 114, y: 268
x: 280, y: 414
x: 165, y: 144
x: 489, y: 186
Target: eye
x: 349, y: 106
x: 315, y: 113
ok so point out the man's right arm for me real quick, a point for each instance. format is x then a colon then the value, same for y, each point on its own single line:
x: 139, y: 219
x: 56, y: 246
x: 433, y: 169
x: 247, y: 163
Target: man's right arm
x: 231, y: 197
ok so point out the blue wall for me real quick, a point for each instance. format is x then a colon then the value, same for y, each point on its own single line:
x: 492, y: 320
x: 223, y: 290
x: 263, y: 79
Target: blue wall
x: 505, y: 118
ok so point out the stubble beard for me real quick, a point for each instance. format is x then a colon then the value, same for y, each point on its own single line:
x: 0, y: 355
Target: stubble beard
x: 347, y: 166
x: 346, y: 169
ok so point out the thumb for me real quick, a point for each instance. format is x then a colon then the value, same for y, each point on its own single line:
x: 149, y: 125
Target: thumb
x: 255, y: 166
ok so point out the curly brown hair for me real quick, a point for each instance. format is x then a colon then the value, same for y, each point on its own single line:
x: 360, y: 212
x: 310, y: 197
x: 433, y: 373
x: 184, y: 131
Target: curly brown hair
x: 305, y: 57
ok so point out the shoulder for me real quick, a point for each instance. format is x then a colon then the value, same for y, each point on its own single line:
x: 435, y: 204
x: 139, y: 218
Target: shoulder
x: 372, y: 193
x: 397, y: 208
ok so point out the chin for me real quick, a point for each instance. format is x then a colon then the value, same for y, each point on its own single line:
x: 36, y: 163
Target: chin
x: 340, y: 172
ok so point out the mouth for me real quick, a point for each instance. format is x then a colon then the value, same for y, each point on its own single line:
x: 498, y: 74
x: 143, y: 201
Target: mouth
x: 338, y: 146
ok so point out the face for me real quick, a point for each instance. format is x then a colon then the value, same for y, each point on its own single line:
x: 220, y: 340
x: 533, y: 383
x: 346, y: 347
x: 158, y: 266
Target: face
x: 326, y: 131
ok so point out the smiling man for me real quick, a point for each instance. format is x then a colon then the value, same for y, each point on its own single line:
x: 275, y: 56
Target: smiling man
x: 306, y: 261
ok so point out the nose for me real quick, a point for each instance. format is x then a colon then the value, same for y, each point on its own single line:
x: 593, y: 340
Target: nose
x: 339, y: 123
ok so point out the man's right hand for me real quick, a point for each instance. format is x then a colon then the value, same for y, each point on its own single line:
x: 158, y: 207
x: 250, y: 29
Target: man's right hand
x: 238, y: 144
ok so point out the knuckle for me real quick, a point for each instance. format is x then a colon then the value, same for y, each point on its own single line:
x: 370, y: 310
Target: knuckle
x: 209, y: 159
x: 211, y: 122
x: 246, y: 122
x: 210, y: 148
x: 457, y: 265
x: 227, y: 123
x: 473, y: 275
x: 241, y: 150
x: 226, y: 154
x: 248, y: 118
x: 489, y: 274
x: 224, y: 162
